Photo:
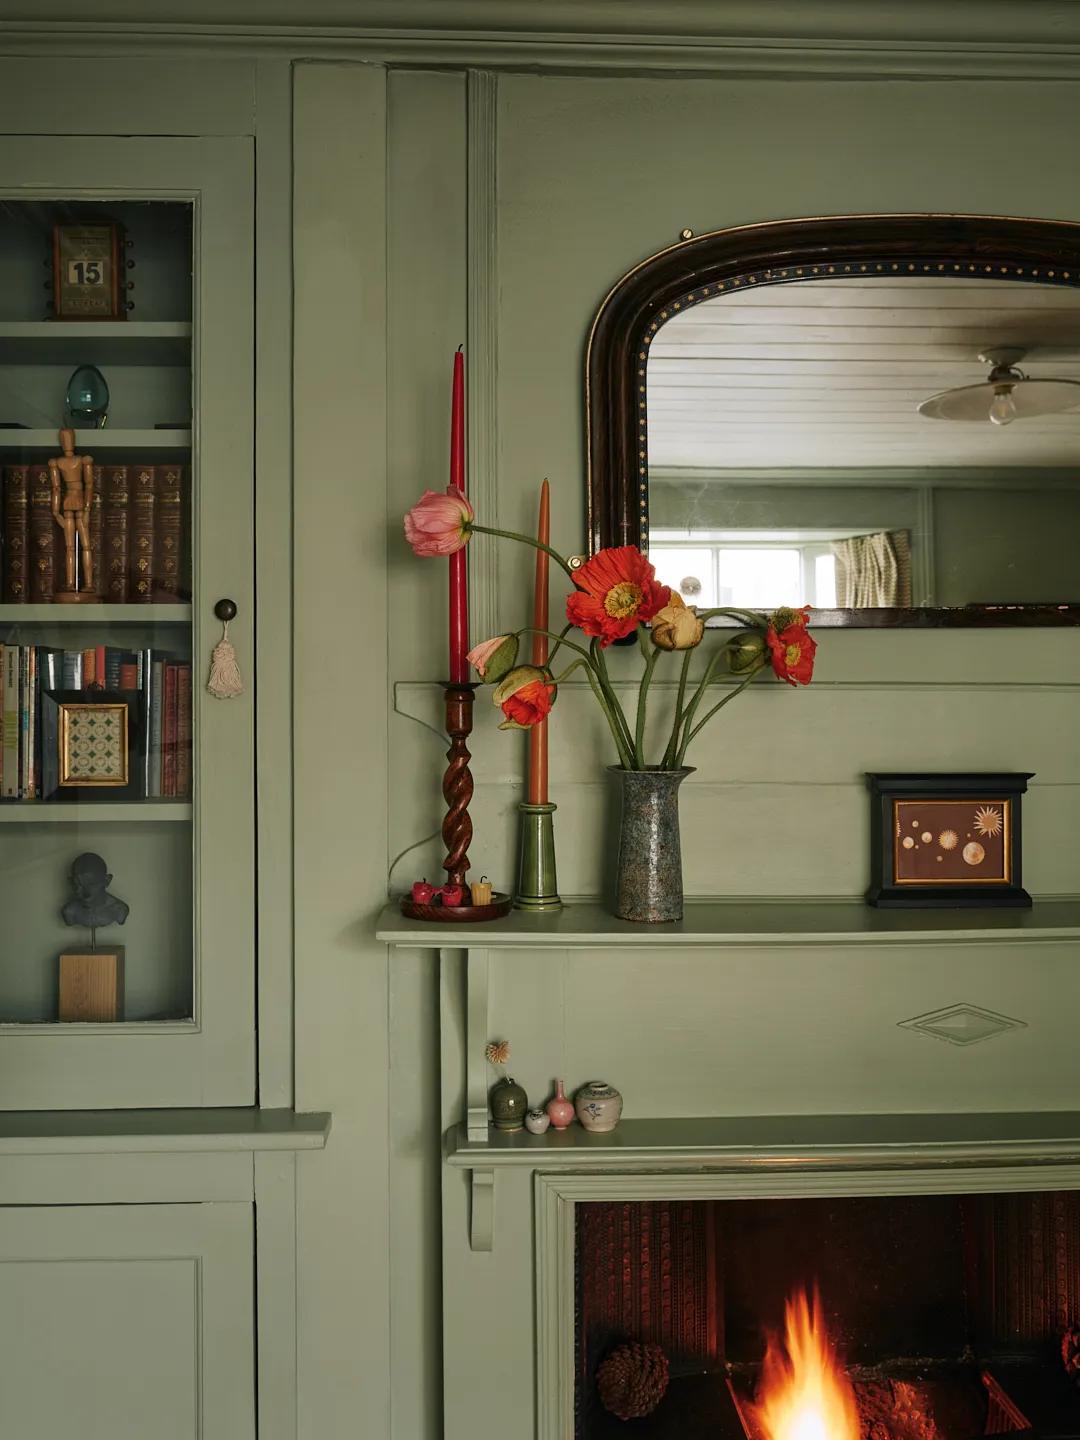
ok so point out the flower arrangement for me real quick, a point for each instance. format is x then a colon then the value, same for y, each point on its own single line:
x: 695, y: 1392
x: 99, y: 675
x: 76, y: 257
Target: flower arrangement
x: 615, y: 595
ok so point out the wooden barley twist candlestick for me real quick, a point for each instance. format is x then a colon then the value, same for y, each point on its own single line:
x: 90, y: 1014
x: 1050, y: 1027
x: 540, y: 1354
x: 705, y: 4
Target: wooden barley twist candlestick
x: 457, y: 830
x: 457, y: 785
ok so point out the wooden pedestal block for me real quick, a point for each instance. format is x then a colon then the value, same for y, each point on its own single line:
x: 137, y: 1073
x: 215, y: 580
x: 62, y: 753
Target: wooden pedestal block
x: 92, y: 984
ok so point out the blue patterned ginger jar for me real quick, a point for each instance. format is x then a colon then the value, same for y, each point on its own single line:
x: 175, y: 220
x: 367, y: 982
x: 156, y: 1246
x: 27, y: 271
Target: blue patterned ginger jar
x: 598, y: 1106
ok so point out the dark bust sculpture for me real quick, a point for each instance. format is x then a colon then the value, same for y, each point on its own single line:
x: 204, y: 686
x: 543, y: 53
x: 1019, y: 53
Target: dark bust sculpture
x: 92, y: 905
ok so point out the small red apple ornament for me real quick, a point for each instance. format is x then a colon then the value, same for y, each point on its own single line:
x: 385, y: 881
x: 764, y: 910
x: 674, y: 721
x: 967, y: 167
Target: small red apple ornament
x: 423, y: 893
x: 452, y: 894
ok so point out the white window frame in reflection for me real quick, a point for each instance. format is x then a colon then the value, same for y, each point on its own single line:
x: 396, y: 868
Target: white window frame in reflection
x: 817, y: 572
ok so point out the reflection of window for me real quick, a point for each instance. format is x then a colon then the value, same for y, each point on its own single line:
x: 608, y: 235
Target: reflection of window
x: 757, y: 574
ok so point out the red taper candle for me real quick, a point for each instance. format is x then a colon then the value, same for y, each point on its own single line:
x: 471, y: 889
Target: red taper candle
x: 459, y: 573
x: 538, y: 736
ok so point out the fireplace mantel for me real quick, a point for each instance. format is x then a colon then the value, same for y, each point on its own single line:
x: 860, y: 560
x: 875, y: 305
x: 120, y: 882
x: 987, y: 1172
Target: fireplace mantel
x: 841, y: 956
x: 587, y: 924
x: 765, y: 1049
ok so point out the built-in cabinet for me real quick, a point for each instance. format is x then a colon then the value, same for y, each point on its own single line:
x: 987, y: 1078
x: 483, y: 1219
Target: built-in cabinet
x: 136, y: 1167
x: 127, y: 1320
x: 171, y: 526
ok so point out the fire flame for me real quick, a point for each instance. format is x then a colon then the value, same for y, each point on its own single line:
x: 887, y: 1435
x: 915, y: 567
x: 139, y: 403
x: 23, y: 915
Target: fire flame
x: 804, y: 1393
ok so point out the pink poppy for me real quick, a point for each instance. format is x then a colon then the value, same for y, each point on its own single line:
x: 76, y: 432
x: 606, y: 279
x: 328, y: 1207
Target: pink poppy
x: 439, y: 523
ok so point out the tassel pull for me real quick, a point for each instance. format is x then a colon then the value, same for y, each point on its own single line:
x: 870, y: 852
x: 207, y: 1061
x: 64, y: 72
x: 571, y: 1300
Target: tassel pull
x: 224, y: 681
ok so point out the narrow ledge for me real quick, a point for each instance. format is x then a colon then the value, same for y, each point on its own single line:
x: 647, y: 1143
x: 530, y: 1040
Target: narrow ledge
x: 736, y: 922
x: 775, y: 1142
x: 89, y: 1132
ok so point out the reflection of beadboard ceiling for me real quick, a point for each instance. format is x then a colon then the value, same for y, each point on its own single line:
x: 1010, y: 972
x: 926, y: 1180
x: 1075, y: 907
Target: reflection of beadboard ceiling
x: 829, y: 374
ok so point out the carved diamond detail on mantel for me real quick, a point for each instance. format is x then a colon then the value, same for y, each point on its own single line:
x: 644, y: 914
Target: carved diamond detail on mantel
x: 963, y: 1024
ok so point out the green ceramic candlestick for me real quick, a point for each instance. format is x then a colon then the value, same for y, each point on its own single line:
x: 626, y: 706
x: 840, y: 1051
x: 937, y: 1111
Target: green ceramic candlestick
x: 537, y: 887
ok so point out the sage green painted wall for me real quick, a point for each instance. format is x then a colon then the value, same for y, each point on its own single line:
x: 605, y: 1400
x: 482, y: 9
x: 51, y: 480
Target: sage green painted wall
x: 594, y: 174
x: 341, y: 1054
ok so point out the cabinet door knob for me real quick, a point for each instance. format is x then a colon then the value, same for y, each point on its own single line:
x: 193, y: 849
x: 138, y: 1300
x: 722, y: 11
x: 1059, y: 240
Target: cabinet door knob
x: 225, y: 610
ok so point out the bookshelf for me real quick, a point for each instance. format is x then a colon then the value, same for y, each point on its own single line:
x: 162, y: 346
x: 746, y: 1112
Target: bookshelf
x: 141, y: 812
x: 119, y: 342
x: 69, y: 615
x: 176, y: 835
x: 97, y: 441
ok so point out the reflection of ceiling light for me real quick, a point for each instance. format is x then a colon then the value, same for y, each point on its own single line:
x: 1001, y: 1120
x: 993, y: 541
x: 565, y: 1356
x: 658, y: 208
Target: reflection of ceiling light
x: 1006, y: 396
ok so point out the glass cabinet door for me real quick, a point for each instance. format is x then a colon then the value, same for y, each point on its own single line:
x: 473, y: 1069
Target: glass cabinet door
x: 126, y: 518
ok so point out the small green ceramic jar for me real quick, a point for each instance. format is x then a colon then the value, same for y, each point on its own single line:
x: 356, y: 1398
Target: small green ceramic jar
x: 508, y: 1104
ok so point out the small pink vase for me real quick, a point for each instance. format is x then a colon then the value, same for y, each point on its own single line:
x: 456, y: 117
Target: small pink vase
x: 560, y: 1109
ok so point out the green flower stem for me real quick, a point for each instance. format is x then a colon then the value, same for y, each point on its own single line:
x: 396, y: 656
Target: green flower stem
x: 574, y: 665
x: 643, y: 691
x: 561, y: 639
x: 600, y: 666
x: 475, y: 529
x: 673, y: 743
x: 687, y: 717
x: 626, y: 759
x: 718, y: 706
x: 752, y: 618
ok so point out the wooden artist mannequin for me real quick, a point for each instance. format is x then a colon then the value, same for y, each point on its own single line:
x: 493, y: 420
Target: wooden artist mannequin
x: 72, y: 480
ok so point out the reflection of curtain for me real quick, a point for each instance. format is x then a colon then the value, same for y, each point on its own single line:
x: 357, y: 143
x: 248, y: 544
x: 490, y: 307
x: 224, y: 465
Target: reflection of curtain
x: 873, y: 570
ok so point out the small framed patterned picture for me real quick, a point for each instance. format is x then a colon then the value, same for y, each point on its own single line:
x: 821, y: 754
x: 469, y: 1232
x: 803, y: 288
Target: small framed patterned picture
x: 90, y: 745
x: 946, y: 841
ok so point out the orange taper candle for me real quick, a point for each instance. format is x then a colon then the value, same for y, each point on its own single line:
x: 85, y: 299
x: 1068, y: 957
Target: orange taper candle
x: 538, y: 746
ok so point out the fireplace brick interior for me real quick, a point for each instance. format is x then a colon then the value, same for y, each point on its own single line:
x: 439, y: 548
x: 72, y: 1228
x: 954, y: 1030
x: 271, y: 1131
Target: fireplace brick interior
x: 937, y: 1289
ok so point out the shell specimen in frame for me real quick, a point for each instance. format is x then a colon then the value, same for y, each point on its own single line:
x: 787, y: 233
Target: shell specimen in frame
x: 948, y: 840
x: 973, y: 853
x: 988, y: 821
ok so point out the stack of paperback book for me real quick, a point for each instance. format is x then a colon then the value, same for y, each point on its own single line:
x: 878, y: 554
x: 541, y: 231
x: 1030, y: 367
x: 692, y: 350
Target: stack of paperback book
x: 155, y: 685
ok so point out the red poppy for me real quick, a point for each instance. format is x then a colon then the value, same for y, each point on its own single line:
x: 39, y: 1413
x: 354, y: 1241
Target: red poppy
x: 528, y: 706
x: 617, y: 588
x: 792, y: 648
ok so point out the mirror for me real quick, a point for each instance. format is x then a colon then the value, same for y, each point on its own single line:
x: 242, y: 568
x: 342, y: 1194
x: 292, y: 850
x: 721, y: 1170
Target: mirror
x: 892, y: 441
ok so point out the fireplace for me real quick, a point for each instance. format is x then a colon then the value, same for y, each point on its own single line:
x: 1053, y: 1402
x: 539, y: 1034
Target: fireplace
x: 947, y: 1311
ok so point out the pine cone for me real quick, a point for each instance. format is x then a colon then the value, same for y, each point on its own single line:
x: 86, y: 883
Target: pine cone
x: 632, y: 1380
x: 1070, y: 1352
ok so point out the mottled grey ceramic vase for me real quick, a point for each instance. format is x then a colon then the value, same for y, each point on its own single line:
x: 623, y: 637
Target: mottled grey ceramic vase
x: 648, y: 884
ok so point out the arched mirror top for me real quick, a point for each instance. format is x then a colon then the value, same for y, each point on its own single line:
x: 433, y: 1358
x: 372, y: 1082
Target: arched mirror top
x: 780, y: 439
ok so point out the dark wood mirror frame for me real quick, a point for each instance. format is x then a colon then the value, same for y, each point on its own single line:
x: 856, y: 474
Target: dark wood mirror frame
x: 775, y: 253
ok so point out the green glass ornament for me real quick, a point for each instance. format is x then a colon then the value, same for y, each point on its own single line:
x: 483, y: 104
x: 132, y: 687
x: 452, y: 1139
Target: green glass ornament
x: 87, y: 398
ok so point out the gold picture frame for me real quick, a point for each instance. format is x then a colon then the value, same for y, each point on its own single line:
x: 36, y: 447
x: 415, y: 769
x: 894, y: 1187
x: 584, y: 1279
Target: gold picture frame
x: 93, y: 745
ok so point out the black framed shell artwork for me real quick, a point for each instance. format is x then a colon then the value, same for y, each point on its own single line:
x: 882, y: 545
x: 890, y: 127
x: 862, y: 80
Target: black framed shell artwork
x: 946, y: 841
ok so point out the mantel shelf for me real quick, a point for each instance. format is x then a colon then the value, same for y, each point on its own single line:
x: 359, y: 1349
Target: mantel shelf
x: 81, y: 1132
x: 762, y: 1142
x: 724, y: 922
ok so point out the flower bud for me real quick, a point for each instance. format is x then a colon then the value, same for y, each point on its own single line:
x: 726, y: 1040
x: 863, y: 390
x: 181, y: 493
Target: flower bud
x: 676, y: 626
x: 745, y: 652
x: 492, y: 659
x: 525, y: 697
